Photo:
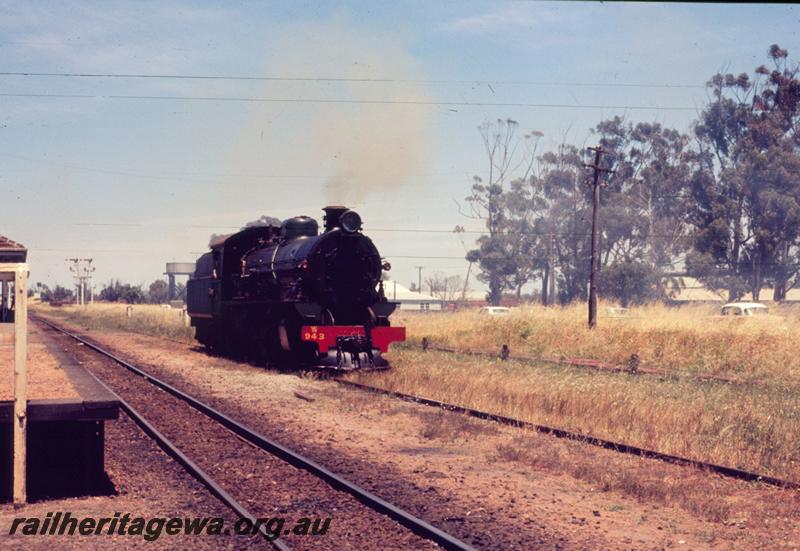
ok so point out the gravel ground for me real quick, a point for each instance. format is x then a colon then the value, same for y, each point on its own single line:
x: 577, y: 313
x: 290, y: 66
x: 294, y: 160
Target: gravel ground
x: 45, y: 378
x: 461, y: 474
x: 148, y: 484
x: 265, y: 485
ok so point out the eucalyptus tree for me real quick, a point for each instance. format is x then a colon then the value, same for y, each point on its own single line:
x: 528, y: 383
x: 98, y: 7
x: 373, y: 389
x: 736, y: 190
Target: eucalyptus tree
x: 560, y: 186
x: 509, y: 158
x: 644, y: 230
x: 746, y: 182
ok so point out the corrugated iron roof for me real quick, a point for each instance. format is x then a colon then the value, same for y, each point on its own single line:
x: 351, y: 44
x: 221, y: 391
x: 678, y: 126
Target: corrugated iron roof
x: 11, y: 251
x: 6, y: 243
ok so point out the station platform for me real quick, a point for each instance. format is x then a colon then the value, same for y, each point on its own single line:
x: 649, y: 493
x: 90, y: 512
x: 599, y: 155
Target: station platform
x: 67, y: 411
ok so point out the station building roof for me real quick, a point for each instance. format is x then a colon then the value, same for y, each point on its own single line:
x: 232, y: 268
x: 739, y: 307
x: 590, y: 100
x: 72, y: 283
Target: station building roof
x: 396, y: 292
x: 11, y: 251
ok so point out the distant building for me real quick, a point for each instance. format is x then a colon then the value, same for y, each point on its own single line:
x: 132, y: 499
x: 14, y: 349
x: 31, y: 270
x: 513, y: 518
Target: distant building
x: 410, y: 300
x: 792, y: 295
x: 695, y: 292
x: 477, y: 299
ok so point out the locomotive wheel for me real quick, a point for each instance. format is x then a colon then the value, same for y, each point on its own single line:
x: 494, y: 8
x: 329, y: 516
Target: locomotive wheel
x: 274, y: 355
x: 218, y: 342
x: 210, y: 337
x: 201, y: 333
x: 299, y: 354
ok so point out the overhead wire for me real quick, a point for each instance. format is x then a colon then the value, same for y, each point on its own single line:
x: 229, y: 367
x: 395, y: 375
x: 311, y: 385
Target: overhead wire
x: 387, y: 80
x: 342, y: 101
x: 201, y: 177
x: 328, y: 101
x: 369, y: 230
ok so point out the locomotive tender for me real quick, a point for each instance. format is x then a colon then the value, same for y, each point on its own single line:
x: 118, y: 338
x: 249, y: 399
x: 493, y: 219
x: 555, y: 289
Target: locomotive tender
x: 295, y: 296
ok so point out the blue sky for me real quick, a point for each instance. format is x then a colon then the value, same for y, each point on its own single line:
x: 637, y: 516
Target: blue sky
x: 169, y: 172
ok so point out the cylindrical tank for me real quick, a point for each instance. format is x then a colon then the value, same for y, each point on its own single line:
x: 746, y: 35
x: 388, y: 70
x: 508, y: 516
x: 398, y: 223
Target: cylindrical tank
x: 180, y: 268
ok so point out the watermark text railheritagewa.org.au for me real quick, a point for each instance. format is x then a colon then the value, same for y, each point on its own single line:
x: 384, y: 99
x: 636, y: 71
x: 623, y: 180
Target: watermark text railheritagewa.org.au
x: 150, y: 529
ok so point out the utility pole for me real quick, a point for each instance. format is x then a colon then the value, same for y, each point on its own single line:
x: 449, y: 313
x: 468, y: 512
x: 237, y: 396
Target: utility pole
x: 552, y: 270
x: 88, y: 269
x: 595, y: 183
x: 75, y: 274
x: 419, y: 278
x: 82, y: 270
x: 466, y: 284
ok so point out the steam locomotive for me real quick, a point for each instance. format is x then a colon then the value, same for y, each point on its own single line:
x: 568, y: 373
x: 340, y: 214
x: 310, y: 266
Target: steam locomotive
x: 294, y: 296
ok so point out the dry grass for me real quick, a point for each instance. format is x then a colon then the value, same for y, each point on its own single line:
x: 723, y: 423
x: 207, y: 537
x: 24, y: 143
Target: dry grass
x: 444, y: 425
x: 751, y: 427
x: 651, y: 483
x: 148, y: 319
x: 650, y: 486
x: 687, y: 340
x: 755, y: 427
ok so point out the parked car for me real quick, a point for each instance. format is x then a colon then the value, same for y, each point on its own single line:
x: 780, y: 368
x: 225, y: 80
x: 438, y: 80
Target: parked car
x: 751, y: 312
x: 494, y: 311
x: 744, y: 309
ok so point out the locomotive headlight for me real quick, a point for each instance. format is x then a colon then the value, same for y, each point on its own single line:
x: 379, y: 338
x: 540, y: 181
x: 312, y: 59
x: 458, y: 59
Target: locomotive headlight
x: 350, y: 221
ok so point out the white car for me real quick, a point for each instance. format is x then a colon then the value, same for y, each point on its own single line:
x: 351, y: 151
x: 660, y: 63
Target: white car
x: 744, y: 309
x: 494, y: 311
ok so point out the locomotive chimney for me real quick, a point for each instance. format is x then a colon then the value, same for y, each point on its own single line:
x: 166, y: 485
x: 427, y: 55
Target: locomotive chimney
x: 332, y: 215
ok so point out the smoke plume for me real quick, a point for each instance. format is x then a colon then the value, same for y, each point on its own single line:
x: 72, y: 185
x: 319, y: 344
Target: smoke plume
x: 264, y: 220
x: 366, y: 138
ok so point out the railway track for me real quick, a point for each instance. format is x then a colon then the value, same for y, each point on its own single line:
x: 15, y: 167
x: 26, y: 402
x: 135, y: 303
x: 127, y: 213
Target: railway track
x: 376, y: 505
x: 620, y: 447
x: 193, y: 469
x: 633, y: 368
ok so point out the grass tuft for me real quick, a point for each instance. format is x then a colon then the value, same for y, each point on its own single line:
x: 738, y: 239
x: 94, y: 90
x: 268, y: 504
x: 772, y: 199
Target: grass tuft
x: 148, y: 319
x: 754, y: 425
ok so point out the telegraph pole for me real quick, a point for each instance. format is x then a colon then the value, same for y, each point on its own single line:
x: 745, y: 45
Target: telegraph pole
x: 88, y: 269
x: 552, y: 269
x: 76, y: 275
x: 419, y: 278
x: 81, y: 269
x: 595, y: 183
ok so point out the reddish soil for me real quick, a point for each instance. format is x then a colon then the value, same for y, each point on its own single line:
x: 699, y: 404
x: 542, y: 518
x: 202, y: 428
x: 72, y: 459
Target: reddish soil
x: 148, y: 484
x: 493, y: 486
x: 262, y: 483
x: 46, y: 379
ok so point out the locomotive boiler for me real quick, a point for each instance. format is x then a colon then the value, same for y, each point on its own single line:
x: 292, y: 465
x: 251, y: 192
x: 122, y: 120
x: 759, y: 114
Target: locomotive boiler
x: 294, y: 296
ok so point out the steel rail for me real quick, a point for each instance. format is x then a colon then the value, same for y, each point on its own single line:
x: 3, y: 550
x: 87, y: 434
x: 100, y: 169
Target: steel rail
x: 192, y: 468
x: 402, y: 517
x: 587, y: 363
x: 629, y: 449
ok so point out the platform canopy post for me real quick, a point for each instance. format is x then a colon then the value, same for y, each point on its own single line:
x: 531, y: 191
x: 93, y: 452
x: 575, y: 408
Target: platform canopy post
x: 20, y: 381
x: 14, y: 269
